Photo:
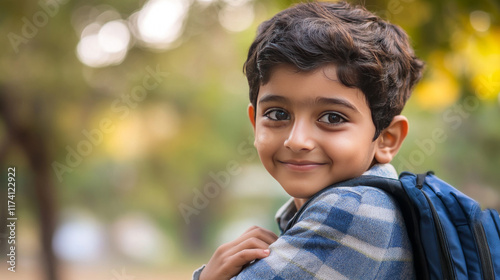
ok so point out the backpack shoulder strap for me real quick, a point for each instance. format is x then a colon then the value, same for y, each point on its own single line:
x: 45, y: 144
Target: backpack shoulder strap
x: 410, y: 215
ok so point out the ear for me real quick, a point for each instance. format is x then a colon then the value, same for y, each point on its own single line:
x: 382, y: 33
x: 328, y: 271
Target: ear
x: 251, y: 114
x: 390, y: 139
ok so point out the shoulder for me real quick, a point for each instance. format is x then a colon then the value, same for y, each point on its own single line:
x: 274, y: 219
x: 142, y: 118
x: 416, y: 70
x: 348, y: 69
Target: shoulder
x: 363, y: 194
x: 357, y: 217
x: 361, y: 201
x: 337, y: 228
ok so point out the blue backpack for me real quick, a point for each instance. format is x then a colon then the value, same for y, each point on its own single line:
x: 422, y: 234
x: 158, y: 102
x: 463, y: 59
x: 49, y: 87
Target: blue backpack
x: 450, y: 235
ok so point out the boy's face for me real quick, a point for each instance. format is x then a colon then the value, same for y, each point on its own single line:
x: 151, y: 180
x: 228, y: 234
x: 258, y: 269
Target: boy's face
x: 311, y: 131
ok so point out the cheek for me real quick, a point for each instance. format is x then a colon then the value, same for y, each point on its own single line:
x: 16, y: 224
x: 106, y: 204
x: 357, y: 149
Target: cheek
x: 260, y: 139
x: 350, y: 149
x: 341, y: 146
x: 266, y: 142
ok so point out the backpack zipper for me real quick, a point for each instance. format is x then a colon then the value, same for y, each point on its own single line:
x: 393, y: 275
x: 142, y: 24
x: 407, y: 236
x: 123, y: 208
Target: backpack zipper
x: 444, y: 253
x: 484, y: 251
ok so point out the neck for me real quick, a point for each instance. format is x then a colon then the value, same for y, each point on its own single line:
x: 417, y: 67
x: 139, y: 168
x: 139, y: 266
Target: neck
x: 299, y: 202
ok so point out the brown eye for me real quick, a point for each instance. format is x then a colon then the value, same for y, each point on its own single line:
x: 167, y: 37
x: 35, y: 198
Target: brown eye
x: 277, y: 115
x: 332, y: 118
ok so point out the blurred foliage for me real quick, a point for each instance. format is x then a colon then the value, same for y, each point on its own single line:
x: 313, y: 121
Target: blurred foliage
x: 161, y: 150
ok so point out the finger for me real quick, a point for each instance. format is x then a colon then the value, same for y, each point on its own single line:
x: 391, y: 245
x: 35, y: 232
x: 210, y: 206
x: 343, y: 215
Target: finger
x: 241, y: 243
x: 247, y: 244
x: 261, y: 233
x: 250, y: 229
x: 243, y: 257
x: 252, y: 243
x: 254, y: 231
x: 234, y: 264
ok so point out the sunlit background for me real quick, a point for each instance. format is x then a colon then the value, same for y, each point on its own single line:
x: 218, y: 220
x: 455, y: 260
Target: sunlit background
x: 126, y: 123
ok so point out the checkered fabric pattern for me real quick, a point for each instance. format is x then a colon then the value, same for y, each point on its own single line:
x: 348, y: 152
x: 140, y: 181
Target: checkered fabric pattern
x: 345, y: 233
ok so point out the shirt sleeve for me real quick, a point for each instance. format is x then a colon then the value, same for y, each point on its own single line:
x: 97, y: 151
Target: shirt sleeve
x: 197, y: 273
x: 345, y: 233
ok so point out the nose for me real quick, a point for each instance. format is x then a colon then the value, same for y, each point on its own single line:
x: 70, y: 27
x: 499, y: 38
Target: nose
x: 300, y: 137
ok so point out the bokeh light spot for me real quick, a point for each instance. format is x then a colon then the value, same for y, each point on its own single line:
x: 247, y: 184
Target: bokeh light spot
x: 104, y: 45
x: 439, y: 91
x: 237, y: 18
x: 480, y: 21
x: 139, y: 238
x: 160, y: 22
x: 80, y: 239
x: 114, y: 37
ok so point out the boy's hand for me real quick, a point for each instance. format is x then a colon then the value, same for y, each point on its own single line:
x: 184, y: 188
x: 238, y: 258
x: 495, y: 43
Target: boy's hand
x: 229, y: 259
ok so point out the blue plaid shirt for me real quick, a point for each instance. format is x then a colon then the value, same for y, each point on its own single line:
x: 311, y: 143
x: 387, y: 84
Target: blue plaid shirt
x: 344, y: 233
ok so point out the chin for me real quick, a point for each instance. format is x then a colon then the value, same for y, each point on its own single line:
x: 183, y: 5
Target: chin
x: 299, y: 192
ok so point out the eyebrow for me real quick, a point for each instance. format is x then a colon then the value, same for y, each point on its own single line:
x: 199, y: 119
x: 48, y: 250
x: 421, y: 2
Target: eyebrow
x: 319, y: 100
x: 335, y: 101
x: 273, y: 98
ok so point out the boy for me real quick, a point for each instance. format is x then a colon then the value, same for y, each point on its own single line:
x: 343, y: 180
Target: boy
x: 328, y: 82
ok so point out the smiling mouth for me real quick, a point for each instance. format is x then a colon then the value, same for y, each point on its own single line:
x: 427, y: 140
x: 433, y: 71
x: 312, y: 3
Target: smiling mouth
x: 301, y: 166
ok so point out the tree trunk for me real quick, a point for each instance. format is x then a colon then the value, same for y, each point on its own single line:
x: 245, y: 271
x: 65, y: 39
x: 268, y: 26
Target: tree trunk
x: 32, y: 138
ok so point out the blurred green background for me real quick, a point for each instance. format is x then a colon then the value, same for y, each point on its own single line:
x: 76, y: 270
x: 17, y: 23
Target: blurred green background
x: 126, y: 124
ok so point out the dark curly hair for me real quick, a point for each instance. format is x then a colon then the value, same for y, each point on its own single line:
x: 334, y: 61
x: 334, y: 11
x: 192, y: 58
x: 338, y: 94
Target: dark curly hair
x: 368, y: 52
